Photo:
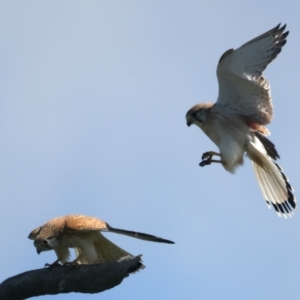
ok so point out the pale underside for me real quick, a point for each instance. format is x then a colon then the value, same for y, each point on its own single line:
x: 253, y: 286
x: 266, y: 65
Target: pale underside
x: 243, y: 108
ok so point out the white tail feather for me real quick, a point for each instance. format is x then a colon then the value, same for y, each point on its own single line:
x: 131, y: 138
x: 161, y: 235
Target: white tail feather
x: 272, y: 182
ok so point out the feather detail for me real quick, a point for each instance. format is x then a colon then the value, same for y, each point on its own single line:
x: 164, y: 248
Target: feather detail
x: 274, y: 185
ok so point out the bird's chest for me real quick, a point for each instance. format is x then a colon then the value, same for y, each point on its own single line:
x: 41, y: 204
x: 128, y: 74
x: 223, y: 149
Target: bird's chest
x: 214, y: 132
x: 222, y: 130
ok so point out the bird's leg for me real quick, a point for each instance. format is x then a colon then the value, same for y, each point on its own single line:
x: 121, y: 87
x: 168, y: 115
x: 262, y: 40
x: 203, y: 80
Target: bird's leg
x: 55, y: 264
x: 208, y: 162
x: 209, y: 155
x: 207, y: 158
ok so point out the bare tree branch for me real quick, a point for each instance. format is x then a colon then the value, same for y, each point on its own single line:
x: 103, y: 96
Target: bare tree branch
x: 65, y: 279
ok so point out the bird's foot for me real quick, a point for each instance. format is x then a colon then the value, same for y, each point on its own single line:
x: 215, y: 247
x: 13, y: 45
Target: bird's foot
x: 71, y: 264
x: 209, y: 155
x: 205, y: 162
x: 206, y: 158
x: 55, y: 264
x: 206, y: 155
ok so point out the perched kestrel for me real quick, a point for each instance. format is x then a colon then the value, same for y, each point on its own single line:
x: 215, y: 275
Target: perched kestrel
x: 236, y: 122
x: 83, y: 234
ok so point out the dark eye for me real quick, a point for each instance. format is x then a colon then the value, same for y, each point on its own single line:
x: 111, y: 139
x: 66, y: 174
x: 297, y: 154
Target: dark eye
x: 45, y: 242
x: 197, y: 114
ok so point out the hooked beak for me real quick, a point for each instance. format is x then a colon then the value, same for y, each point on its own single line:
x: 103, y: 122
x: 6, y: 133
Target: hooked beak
x: 189, y: 123
x: 38, y: 251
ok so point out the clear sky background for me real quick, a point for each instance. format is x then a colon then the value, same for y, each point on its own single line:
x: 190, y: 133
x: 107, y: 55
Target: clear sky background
x: 92, y: 121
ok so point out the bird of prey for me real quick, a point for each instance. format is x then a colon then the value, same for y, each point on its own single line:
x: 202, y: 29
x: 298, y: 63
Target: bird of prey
x: 236, y: 122
x: 83, y: 234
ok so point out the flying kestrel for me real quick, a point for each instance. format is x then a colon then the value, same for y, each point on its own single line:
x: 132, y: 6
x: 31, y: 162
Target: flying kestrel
x: 236, y: 122
x: 83, y: 234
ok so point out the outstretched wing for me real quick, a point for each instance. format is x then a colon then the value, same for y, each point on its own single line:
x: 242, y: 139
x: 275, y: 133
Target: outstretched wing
x: 242, y: 88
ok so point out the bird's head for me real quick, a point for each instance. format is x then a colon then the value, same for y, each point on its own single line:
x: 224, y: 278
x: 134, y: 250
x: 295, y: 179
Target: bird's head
x: 43, y: 239
x: 198, y: 114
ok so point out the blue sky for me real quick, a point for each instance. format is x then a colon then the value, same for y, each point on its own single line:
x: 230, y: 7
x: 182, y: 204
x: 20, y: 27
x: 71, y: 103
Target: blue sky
x: 92, y: 121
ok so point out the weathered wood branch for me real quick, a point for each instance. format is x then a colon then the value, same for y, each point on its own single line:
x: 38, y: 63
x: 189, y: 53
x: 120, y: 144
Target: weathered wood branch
x: 65, y: 279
